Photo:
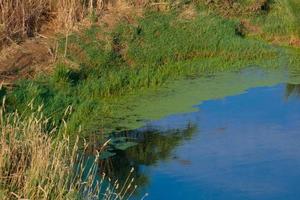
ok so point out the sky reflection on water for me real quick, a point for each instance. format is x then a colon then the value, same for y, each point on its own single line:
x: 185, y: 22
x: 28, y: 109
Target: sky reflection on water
x: 239, y: 147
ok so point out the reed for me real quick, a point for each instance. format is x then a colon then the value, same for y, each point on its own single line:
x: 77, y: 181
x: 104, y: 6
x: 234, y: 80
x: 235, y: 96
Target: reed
x: 23, y: 18
x: 35, y: 166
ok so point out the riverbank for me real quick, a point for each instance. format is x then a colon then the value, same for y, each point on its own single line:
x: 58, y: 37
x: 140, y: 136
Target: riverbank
x: 147, y: 51
x: 96, y: 69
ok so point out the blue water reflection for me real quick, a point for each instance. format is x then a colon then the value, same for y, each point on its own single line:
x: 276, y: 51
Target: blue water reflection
x: 239, y: 147
x: 243, y: 147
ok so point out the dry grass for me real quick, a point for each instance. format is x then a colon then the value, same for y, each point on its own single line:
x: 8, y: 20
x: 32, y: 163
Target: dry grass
x: 188, y: 13
x: 33, y: 166
x: 23, y: 18
x: 118, y: 11
x: 40, y: 21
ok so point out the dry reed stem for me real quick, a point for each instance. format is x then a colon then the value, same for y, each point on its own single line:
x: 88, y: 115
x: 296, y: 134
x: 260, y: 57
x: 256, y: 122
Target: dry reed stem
x: 34, y: 166
x: 24, y: 18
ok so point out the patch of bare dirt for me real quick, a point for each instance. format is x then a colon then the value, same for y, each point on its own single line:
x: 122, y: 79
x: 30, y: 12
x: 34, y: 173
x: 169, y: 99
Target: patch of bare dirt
x: 38, y: 53
x: 295, y: 42
x: 189, y: 13
x: 117, y: 11
x: 251, y: 28
x: 25, y: 60
x: 260, y: 5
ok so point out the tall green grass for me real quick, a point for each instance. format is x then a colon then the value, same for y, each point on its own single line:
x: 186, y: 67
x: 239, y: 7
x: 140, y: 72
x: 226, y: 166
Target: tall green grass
x: 271, y: 20
x: 280, y: 21
x: 165, y: 39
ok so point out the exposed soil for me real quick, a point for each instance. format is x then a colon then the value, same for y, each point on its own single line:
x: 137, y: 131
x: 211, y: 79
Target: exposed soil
x: 37, y: 54
x: 119, y: 11
x: 295, y: 42
x: 251, y: 28
x: 25, y: 60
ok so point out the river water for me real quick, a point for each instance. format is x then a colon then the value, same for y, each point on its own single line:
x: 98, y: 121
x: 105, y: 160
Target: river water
x: 244, y: 145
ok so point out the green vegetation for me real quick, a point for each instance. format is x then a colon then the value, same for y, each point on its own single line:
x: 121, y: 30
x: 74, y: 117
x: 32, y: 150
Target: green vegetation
x: 207, y: 43
x: 106, y: 69
x: 158, y: 48
x: 281, y: 24
x: 105, y: 66
x: 272, y: 20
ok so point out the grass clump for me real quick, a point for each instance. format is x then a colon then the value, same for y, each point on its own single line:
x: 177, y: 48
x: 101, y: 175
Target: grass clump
x: 280, y: 22
x: 271, y: 20
x: 164, y: 39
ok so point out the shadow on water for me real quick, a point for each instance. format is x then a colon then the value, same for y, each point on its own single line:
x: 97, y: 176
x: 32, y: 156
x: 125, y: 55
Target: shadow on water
x: 292, y: 90
x: 153, y: 146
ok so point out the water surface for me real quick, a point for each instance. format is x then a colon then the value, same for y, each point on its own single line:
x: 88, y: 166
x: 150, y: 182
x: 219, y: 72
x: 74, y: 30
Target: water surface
x: 239, y: 146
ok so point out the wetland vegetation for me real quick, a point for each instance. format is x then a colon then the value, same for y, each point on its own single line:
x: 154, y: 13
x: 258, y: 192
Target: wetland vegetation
x: 107, y: 54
